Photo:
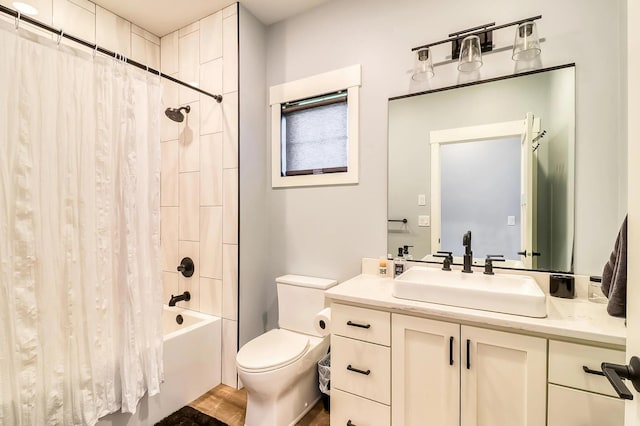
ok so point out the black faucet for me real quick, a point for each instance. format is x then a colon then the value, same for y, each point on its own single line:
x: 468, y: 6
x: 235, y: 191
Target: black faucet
x: 447, y: 261
x: 488, y: 262
x: 186, y: 296
x: 468, y: 254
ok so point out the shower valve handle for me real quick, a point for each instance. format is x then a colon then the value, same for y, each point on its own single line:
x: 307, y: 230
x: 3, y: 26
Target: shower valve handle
x: 186, y: 267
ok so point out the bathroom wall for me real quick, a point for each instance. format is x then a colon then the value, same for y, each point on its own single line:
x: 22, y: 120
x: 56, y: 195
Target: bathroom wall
x: 324, y: 231
x: 199, y: 187
x: 93, y: 23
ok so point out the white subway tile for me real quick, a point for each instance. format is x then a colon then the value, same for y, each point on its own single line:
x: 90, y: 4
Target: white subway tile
x: 138, y: 48
x: 211, y: 296
x: 152, y: 52
x: 230, y: 54
x: 145, y: 34
x: 113, y: 32
x: 230, y: 10
x: 189, y: 195
x: 230, y: 206
x: 169, y: 285
x: 86, y: 4
x: 211, y: 170
x: 169, y: 237
x: 211, y: 120
x: 169, y: 129
x: 230, y: 281
x: 169, y: 59
x: 75, y: 19
x: 191, y: 284
x: 190, y: 140
x: 189, y: 54
x: 211, y: 242
x: 211, y: 76
x: 169, y: 174
x: 189, y: 29
x: 229, y: 351
x: 211, y: 37
x: 230, y: 146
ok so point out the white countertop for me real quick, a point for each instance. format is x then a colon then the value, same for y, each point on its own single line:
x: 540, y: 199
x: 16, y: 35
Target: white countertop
x: 566, y: 318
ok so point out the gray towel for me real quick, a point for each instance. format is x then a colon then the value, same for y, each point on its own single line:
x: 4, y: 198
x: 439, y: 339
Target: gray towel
x: 614, y: 276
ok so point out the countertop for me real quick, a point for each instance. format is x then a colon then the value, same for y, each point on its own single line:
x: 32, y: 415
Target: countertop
x: 571, y: 319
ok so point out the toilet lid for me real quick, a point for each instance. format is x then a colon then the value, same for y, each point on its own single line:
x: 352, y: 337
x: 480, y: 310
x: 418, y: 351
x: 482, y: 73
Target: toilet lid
x: 276, y: 348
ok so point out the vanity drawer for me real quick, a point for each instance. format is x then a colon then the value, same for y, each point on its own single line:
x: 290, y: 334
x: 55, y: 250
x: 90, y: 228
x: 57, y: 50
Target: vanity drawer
x: 351, y: 409
x: 361, y: 323
x: 572, y: 407
x: 361, y: 368
x: 566, y: 361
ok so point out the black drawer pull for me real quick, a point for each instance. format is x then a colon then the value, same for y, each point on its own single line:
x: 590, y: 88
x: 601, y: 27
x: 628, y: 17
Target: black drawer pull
x: 468, y: 354
x: 590, y: 371
x: 451, y: 350
x: 350, y: 368
x: 350, y: 424
x: 355, y: 324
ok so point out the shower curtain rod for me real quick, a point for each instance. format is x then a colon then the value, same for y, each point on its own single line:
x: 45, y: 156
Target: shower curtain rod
x: 19, y: 17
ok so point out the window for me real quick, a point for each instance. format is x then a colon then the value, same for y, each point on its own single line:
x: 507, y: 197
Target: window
x: 315, y: 130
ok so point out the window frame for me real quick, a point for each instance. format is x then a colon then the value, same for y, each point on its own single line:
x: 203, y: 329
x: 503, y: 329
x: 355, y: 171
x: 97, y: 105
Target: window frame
x: 348, y: 79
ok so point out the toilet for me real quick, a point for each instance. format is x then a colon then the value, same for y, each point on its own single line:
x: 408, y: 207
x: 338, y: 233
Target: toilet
x: 279, y: 368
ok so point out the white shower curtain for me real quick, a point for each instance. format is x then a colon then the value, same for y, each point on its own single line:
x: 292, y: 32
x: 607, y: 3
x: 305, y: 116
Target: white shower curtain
x: 80, y: 286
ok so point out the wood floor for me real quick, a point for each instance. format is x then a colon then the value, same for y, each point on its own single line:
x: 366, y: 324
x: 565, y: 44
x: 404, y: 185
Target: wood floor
x: 228, y: 405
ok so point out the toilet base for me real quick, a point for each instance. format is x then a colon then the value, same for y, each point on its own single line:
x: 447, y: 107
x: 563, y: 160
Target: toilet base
x: 287, y: 408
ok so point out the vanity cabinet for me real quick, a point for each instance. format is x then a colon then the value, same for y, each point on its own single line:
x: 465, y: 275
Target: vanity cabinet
x: 360, y: 366
x: 578, y: 394
x: 450, y: 374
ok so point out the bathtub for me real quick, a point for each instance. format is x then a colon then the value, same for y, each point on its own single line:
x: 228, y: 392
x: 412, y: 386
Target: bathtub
x: 192, y: 366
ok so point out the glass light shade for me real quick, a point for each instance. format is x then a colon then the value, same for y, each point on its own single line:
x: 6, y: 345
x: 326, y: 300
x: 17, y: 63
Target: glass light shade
x: 526, y: 45
x: 423, y: 68
x: 470, y: 54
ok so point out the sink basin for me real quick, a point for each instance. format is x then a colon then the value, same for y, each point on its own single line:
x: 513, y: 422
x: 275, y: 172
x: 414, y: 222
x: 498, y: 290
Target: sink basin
x: 505, y: 293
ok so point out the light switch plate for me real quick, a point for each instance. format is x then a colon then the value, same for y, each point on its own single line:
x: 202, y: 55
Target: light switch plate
x: 424, y: 220
x: 422, y: 200
x: 511, y: 220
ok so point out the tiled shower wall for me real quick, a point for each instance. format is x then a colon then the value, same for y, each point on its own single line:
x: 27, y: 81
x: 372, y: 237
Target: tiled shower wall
x: 199, y: 188
x: 95, y: 24
x: 199, y: 185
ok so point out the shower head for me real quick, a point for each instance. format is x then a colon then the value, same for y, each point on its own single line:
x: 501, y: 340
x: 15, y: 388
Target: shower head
x: 176, y: 114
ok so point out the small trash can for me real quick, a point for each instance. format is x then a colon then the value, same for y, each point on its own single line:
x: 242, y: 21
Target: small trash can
x: 324, y: 375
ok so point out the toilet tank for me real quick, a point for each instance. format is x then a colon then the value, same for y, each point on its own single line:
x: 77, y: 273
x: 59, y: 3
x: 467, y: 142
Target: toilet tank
x: 300, y: 298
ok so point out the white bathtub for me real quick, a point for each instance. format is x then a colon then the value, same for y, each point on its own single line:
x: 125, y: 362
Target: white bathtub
x: 192, y: 366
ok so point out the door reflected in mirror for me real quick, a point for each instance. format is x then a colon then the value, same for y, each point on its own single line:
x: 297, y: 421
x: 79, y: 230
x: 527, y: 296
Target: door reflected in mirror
x: 495, y: 158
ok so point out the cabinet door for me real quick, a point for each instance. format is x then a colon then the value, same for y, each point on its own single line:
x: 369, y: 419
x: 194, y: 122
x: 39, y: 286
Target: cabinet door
x: 425, y: 384
x: 503, y: 378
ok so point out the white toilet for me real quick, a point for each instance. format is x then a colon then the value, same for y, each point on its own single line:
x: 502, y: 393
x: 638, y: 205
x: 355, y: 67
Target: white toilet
x: 279, y: 368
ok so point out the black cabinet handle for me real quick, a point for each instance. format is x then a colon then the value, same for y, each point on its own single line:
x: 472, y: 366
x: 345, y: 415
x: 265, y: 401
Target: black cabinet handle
x: 616, y: 372
x: 356, y: 370
x: 590, y: 371
x: 451, y: 350
x: 349, y: 423
x: 355, y: 324
x: 468, y: 354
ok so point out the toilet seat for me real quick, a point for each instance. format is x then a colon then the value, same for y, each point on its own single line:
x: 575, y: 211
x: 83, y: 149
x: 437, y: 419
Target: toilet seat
x: 272, y: 350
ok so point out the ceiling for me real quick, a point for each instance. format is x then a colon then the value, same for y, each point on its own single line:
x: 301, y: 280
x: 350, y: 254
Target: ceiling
x: 162, y: 17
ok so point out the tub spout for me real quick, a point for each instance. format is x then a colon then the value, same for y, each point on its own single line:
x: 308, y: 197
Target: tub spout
x: 186, y: 296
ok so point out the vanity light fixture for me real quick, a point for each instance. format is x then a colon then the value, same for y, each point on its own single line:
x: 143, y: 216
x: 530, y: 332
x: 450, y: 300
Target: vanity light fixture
x: 423, y: 68
x: 467, y: 46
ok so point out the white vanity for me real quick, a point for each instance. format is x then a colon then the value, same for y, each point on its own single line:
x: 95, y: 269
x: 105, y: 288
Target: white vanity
x: 404, y: 362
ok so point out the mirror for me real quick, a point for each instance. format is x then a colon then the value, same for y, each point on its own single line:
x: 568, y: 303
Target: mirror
x: 495, y: 157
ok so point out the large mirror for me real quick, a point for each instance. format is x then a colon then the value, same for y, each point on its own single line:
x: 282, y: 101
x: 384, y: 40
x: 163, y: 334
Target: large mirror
x: 496, y: 158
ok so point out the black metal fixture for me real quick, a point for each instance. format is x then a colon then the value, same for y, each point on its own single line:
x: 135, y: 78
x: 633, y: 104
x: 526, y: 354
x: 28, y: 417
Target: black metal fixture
x: 488, y: 262
x: 186, y: 267
x: 447, y: 259
x: 186, y: 296
x: 616, y: 372
x: 526, y: 45
x: 175, y: 114
x: 467, y: 259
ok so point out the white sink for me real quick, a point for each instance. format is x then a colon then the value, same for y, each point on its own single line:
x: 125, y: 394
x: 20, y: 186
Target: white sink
x: 505, y: 293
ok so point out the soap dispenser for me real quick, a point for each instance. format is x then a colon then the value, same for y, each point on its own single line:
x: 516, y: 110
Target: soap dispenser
x: 398, y: 263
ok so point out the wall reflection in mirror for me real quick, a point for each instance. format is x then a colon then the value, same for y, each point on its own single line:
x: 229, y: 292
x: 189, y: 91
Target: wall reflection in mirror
x: 495, y: 158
